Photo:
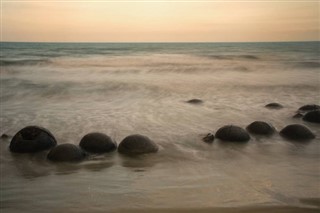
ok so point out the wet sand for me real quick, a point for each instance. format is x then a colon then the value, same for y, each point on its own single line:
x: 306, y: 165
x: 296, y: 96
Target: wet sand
x: 251, y: 209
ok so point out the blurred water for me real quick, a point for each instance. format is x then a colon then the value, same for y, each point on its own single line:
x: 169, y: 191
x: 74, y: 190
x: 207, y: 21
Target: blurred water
x: 121, y: 89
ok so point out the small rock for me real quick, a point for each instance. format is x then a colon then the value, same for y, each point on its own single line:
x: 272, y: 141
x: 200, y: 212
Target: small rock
x: 232, y: 133
x: 97, y: 143
x: 297, y: 132
x: 4, y: 136
x: 274, y: 106
x: 195, y: 101
x: 137, y: 144
x: 209, y: 138
x: 260, y: 128
x: 66, y: 153
x: 298, y: 115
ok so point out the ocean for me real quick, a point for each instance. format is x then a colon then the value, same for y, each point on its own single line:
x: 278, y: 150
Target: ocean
x: 143, y: 88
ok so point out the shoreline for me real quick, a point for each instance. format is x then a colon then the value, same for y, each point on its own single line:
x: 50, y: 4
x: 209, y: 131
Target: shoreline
x: 246, y: 209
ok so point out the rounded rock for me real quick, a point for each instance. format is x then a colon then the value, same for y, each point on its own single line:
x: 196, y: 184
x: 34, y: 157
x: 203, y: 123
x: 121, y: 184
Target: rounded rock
x: 309, y: 107
x: 297, y: 132
x: 260, y: 128
x: 209, y: 138
x: 232, y: 133
x: 137, y: 144
x: 66, y: 153
x: 195, y: 101
x: 298, y: 115
x: 32, y: 139
x: 274, y: 106
x: 97, y: 143
x: 312, y: 116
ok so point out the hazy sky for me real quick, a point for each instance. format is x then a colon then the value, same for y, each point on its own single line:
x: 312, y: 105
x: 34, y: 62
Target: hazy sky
x: 106, y: 21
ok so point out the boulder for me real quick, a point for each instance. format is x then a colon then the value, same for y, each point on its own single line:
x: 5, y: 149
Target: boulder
x: 195, y: 101
x: 309, y: 107
x: 32, y: 139
x: 297, y: 132
x: 260, y: 128
x: 137, y: 144
x: 312, y: 116
x: 66, y: 153
x: 209, y: 138
x: 274, y: 106
x: 232, y: 133
x: 97, y: 143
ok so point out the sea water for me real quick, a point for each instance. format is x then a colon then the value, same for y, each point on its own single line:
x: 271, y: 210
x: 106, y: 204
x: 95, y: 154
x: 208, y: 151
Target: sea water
x: 142, y: 88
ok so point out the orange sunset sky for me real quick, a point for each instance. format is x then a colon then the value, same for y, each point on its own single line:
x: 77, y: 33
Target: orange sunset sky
x: 159, y: 21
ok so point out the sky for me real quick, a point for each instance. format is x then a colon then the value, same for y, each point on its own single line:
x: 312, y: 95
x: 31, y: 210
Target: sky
x: 159, y: 21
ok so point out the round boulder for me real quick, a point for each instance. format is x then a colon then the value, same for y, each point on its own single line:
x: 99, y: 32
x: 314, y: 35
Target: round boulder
x: 297, y: 132
x: 66, y: 153
x: 232, y: 133
x: 312, y: 116
x: 274, y: 106
x: 137, y: 144
x: 32, y: 139
x: 309, y: 107
x: 260, y: 128
x: 97, y: 143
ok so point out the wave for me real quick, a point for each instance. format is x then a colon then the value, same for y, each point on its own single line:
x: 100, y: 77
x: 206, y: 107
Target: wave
x: 24, y: 62
x: 308, y: 64
x: 233, y: 57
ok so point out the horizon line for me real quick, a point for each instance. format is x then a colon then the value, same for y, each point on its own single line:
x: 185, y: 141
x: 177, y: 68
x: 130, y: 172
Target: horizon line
x: 126, y: 42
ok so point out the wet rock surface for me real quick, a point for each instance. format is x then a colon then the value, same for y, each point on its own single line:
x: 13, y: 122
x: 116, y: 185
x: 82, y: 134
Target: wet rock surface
x: 97, y: 143
x: 32, y: 139
x: 137, y: 144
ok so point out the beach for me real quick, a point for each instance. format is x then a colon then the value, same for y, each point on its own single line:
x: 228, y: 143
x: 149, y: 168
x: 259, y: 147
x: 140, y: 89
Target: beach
x: 143, y: 88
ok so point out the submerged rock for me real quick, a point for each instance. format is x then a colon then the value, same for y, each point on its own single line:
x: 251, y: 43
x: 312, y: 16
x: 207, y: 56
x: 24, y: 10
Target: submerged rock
x: 274, y: 106
x: 298, y: 115
x: 309, y: 107
x: 297, y: 132
x: 4, y: 136
x: 137, y: 144
x: 32, y: 139
x: 260, y: 128
x: 232, y: 133
x: 195, y: 101
x: 209, y: 138
x: 312, y: 116
x: 97, y: 143
x: 66, y: 153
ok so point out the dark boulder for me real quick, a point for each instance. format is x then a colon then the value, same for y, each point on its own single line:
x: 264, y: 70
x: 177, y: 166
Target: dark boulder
x: 309, y: 107
x: 97, y: 143
x: 260, y: 128
x: 312, y: 116
x: 232, y: 133
x: 274, y: 106
x: 66, y: 153
x: 297, y: 132
x: 209, y: 138
x: 137, y: 144
x: 32, y: 139
x: 195, y: 101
